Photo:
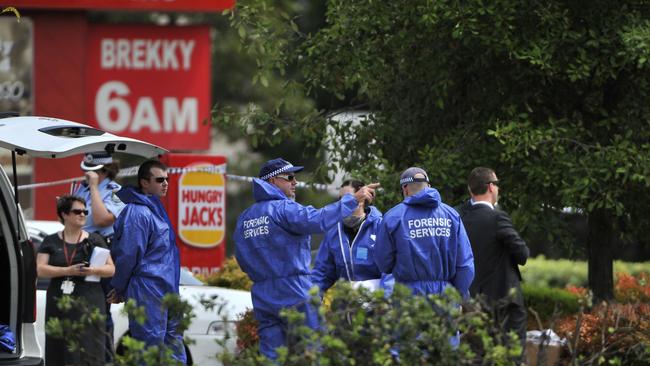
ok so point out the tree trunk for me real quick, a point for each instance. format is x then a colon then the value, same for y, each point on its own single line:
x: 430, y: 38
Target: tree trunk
x: 600, y: 255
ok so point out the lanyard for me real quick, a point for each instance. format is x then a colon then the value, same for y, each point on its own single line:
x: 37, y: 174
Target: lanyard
x: 65, y: 248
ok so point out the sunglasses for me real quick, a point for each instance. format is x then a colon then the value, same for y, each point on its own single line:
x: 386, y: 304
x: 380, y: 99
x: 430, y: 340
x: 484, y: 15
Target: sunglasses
x: 495, y: 182
x: 161, y: 179
x: 288, y: 178
x: 77, y: 211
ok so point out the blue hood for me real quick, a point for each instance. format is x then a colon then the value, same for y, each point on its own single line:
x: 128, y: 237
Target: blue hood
x: 130, y: 194
x: 135, y: 251
x: 264, y: 191
x: 428, y: 197
x: 133, y: 195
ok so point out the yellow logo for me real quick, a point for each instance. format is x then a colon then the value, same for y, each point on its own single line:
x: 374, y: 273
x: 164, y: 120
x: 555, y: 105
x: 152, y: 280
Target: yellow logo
x: 201, y: 207
x: 13, y: 10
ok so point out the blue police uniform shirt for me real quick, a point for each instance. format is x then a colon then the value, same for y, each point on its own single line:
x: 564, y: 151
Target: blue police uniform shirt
x: 107, y: 189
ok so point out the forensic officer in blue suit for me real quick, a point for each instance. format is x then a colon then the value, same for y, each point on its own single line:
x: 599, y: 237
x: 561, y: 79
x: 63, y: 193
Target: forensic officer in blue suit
x: 422, y: 241
x: 273, y: 247
x: 347, y: 250
x: 147, y: 262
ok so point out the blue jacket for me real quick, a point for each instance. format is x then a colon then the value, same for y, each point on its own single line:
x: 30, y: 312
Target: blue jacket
x: 423, y: 243
x: 337, y: 258
x: 273, y: 244
x: 144, y: 247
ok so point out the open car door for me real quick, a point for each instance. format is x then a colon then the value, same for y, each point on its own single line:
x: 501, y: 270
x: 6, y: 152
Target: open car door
x: 41, y: 137
x: 45, y: 137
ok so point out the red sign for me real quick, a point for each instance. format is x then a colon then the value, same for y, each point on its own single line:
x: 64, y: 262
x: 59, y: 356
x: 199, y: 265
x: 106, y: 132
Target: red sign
x: 151, y: 83
x: 169, y: 5
x: 196, y: 204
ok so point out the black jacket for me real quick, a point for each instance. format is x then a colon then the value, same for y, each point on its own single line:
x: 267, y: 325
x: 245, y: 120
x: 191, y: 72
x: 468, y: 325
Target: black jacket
x: 497, y: 248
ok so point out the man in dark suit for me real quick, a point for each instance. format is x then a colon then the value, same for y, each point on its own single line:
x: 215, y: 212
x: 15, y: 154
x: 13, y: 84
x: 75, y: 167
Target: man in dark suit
x: 498, y: 249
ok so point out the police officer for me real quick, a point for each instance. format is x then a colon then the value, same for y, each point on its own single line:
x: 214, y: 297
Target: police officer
x: 99, y: 191
x: 273, y: 247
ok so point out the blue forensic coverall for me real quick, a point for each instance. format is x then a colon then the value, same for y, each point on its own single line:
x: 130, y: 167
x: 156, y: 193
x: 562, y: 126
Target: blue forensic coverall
x: 273, y: 248
x: 147, y: 266
x: 108, y: 191
x: 423, y: 243
x: 352, y: 260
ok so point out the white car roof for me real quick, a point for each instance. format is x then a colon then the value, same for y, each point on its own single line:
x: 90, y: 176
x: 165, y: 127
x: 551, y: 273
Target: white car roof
x: 46, y: 137
x: 46, y: 226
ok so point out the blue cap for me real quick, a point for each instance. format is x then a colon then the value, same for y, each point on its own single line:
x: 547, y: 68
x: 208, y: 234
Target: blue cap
x: 408, y: 176
x: 277, y: 166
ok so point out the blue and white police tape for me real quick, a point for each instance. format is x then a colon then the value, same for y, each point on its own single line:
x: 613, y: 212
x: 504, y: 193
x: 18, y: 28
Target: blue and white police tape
x: 213, y: 169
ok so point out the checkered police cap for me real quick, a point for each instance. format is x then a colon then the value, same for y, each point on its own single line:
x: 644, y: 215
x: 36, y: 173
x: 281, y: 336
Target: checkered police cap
x: 277, y: 166
x: 408, y: 176
x: 96, y: 160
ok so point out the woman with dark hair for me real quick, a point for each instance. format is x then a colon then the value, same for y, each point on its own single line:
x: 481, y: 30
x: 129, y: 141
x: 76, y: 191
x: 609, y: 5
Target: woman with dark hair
x: 64, y: 257
x: 99, y: 192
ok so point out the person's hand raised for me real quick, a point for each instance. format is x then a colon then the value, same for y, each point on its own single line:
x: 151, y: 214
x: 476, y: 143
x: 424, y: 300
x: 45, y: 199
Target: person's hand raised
x: 92, y: 178
x: 366, y: 193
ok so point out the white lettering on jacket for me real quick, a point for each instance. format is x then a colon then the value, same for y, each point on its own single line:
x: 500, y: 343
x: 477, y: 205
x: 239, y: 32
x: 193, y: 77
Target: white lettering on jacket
x: 429, y: 227
x: 256, y: 226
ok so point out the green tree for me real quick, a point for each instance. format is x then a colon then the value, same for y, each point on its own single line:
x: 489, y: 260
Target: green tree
x: 553, y: 95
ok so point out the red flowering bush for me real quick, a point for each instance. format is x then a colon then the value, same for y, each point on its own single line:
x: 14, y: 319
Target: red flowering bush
x: 583, y: 295
x: 246, y: 328
x: 609, y: 330
x: 631, y: 289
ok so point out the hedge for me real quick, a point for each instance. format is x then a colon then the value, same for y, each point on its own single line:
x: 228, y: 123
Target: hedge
x: 543, y: 272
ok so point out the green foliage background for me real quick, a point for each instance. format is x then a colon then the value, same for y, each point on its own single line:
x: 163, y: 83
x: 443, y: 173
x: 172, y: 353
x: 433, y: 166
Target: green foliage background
x: 553, y: 95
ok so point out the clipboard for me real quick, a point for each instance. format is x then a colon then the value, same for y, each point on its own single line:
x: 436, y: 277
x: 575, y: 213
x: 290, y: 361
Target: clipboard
x: 98, y: 258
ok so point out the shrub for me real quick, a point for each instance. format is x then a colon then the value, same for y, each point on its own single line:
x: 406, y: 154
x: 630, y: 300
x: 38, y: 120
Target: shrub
x: 631, y: 289
x: 135, y: 352
x: 229, y: 275
x: 246, y: 328
x: 549, y: 303
x: 365, y: 328
x: 619, y: 333
x: 544, y: 272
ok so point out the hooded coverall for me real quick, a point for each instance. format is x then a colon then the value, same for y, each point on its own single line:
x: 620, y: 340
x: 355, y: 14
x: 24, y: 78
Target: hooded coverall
x: 353, y: 260
x: 147, y: 266
x: 423, y: 243
x: 273, y: 247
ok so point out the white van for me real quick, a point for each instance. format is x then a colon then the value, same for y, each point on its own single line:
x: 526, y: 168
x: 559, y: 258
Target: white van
x: 41, y: 137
